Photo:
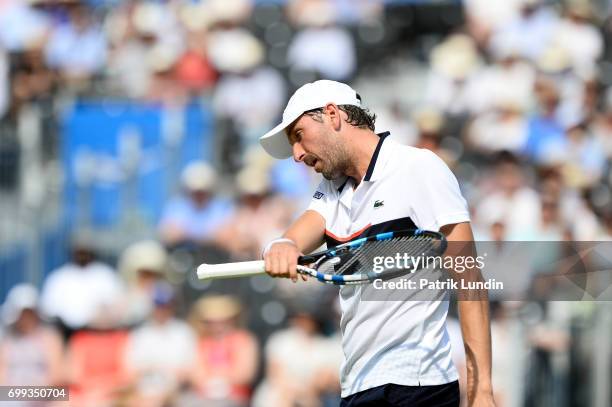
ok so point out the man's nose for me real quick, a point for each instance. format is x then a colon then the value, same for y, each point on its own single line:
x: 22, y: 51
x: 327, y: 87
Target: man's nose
x: 298, y: 152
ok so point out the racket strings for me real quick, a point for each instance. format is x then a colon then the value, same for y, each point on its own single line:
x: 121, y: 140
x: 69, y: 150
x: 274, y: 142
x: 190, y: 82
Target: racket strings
x: 362, y: 260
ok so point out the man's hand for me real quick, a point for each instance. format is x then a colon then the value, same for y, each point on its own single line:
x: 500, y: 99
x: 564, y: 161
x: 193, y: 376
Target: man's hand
x: 281, y: 260
x: 482, y: 399
x: 304, y: 235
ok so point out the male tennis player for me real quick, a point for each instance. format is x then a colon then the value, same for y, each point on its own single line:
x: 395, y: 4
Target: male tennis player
x: 396, y: 353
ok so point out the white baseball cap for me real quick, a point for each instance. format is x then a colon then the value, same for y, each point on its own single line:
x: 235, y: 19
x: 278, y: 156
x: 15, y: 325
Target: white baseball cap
x: 310, y: 96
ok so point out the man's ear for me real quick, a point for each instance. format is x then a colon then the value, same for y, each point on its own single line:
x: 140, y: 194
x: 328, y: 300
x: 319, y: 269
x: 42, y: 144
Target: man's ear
x: 335, y: 115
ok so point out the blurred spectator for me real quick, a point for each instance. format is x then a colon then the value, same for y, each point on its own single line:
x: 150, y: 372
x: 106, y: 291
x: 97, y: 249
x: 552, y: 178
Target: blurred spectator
x: 485, y: 17
x: 195, y: 217
x: 579, y: 37
x: 32, y: 80
x: 429, y: 123
x: 583, y: 224
x: 132, y: 38
x: 321, y: 46
x: 96, y: 366
x: 260, y: 216
x: 507, y: 80
x: 81, y: 290
x: 164, y: 87
x: 573, y: 88
x: 193, y: 69
x: 430, y: 128
x: 393, y: 119
x: 454, y: 66
x: 585, y: 161
x: 142, y: 265
x: 227, y: 355
x: 31, y: 354
x: 239, y: 56
x: 159, y: 375
x: 550, y: 227
x: 510, y: 201
x: 303, y: 378
x: 77, y: 48
x: 546, y: 142
x: 529, y: 33
x: 575, y: 210
x: 229, y: 12
x: 147, y: 43
x: 504, y: 128
x: 602, y: 126
x: 159, y: 21
x: 21, y: 25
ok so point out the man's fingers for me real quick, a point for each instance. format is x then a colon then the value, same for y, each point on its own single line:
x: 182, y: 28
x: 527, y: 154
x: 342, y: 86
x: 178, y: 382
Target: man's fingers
x: 292, y: 274
x: 292, y: 267
x: 268, y: 264
x: 275, y: 269
x: 283, y: 266
x: 282, y: 261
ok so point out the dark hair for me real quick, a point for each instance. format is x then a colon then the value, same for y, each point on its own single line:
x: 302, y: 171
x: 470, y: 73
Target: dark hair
x: 357, y: 116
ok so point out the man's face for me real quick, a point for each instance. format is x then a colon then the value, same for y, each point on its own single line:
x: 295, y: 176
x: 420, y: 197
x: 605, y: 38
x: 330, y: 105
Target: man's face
x: 316, y: 145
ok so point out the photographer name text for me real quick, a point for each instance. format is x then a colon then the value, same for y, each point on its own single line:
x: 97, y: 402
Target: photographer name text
x: 448, y: 284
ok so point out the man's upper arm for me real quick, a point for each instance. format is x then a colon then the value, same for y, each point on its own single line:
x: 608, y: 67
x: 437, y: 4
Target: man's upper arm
x: 460, y: 238
x: 307, y: 231
x: 437, y: 198
x: 458, y: 232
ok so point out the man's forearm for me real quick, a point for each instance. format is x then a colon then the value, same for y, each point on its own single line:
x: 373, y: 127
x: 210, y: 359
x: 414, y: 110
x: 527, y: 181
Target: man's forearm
x: 307, y: 231
x: 475, y: 327
x: 474, y: 318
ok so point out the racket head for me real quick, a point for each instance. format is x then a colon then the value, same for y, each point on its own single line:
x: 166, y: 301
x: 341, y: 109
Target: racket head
x: 353, y: 262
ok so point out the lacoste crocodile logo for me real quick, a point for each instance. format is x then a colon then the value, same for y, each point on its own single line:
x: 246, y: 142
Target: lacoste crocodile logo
x: 378, y: 204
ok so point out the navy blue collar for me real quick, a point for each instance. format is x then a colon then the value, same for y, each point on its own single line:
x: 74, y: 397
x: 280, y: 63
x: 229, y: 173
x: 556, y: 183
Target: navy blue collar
x: 370, y: 171
x: 372, y: 165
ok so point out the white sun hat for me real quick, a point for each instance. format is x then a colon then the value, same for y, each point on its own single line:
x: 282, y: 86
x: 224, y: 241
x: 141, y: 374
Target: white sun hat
x: 198, y: 176
x: 21, y: 297
x: 310, y: 96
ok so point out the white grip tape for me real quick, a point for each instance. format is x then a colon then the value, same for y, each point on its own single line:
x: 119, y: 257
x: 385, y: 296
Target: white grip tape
x: 227, y: 270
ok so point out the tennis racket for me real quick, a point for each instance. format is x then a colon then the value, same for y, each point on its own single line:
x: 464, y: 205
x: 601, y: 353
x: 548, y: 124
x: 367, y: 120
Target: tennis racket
x: 351, y: 262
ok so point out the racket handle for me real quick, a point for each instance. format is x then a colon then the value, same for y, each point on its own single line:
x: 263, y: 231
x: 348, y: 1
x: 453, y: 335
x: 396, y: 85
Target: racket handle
x: 227, y: 270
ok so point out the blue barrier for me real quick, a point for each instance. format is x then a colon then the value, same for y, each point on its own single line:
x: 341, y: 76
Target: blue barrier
x: 98, y: 140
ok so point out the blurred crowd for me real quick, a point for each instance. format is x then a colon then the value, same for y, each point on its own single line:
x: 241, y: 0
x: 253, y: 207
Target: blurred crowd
x: 534, y: 105
x: 128, y: 337
x: 517, y: 99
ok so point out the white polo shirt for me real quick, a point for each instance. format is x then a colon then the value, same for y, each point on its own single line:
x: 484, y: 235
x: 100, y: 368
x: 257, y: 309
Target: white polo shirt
x: 400, y: 342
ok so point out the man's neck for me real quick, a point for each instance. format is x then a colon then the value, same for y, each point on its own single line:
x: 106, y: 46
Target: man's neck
x: 362, y: 147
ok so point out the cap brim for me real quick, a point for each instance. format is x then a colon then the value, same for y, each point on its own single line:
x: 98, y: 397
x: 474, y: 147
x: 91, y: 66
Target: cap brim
x: 275, y: 142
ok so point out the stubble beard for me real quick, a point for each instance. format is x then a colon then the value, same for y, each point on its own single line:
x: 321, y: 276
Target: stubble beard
x: 337, y: 162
